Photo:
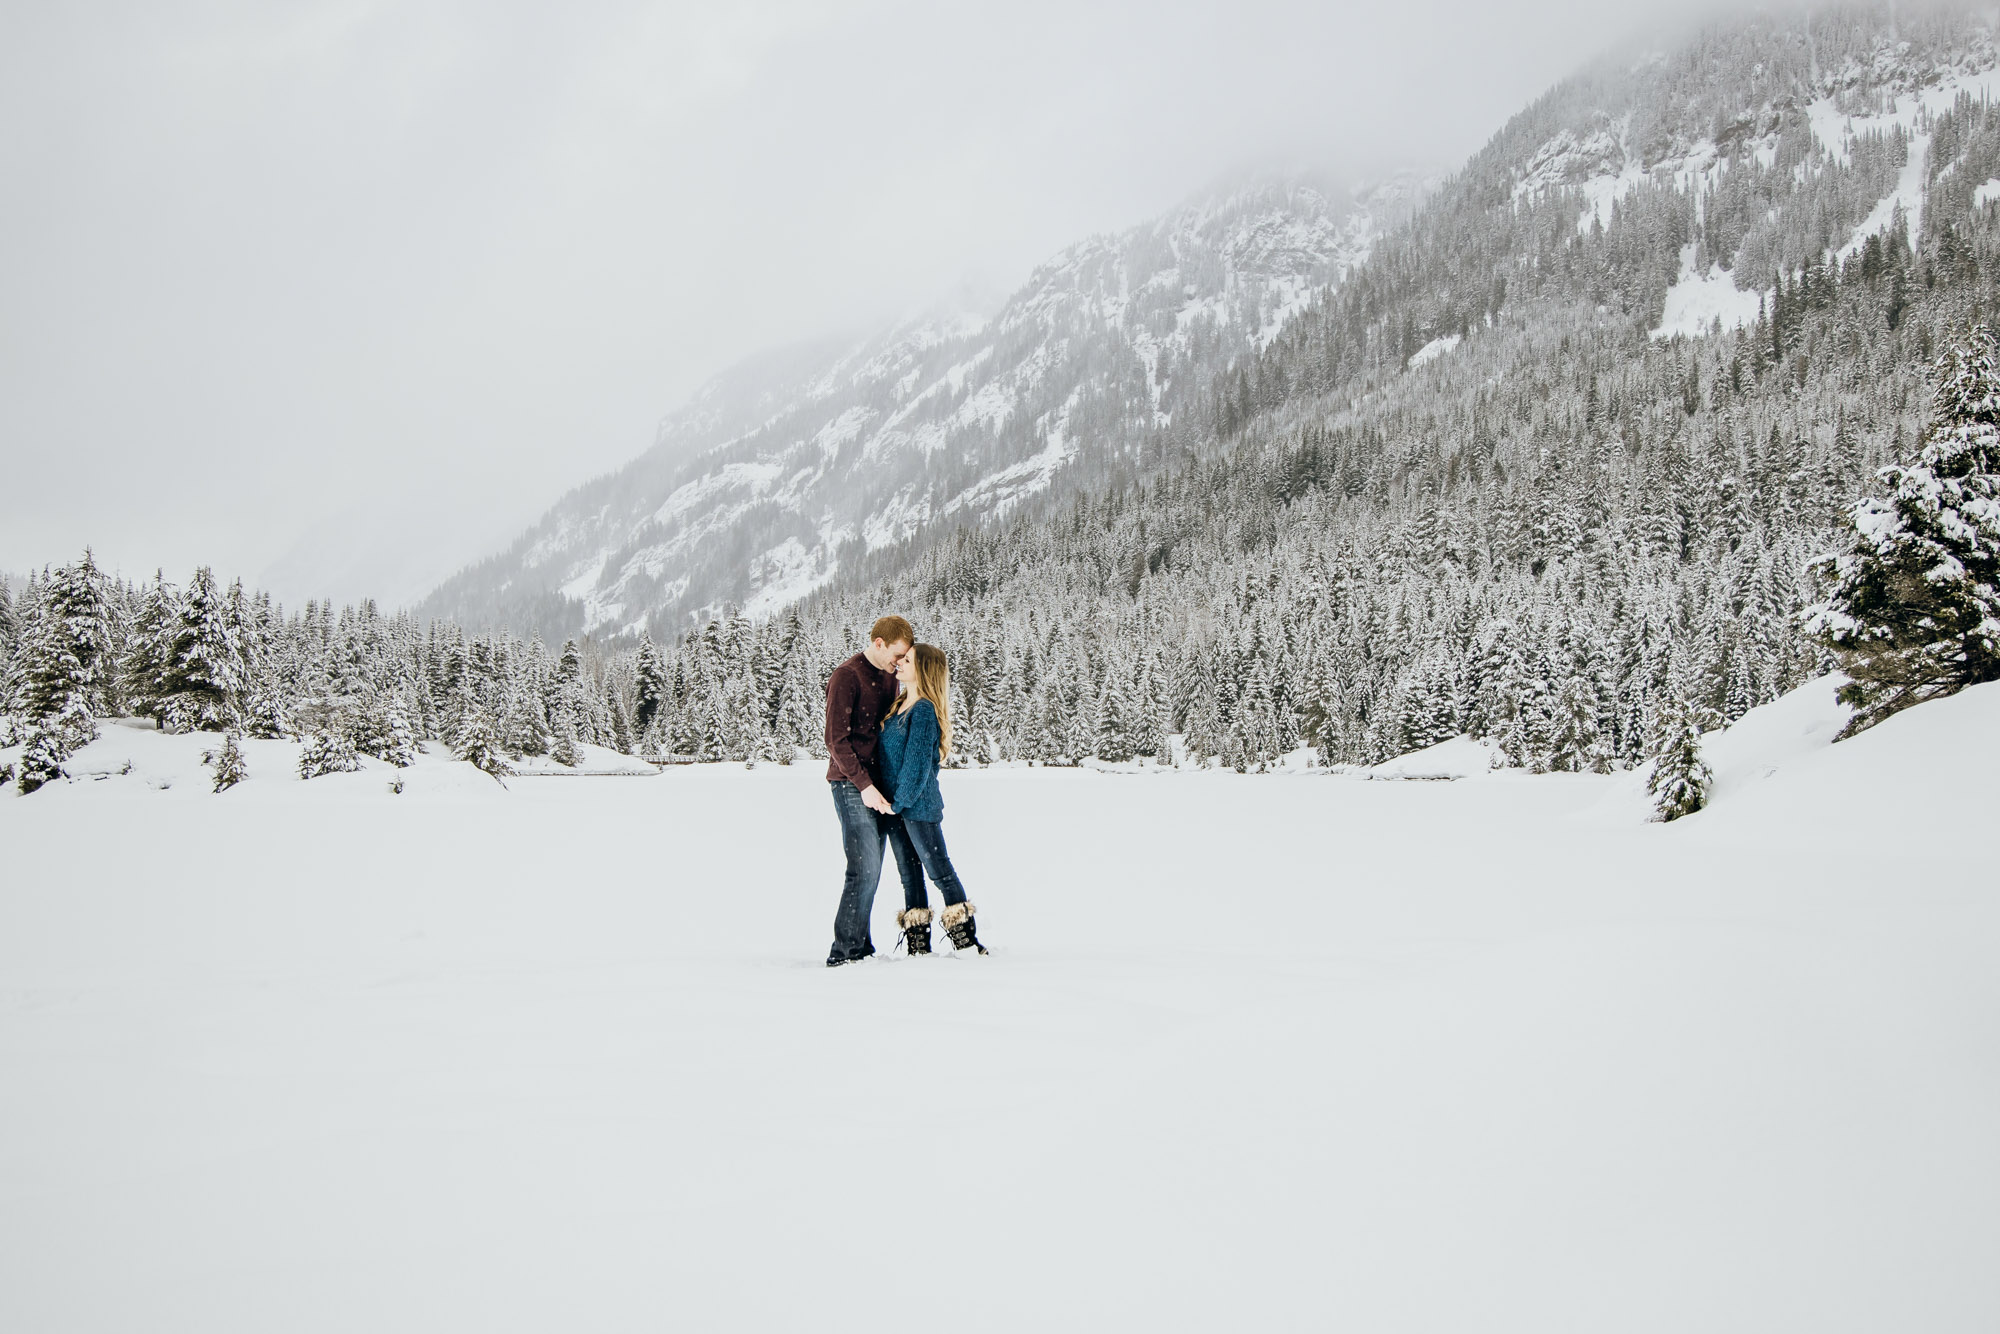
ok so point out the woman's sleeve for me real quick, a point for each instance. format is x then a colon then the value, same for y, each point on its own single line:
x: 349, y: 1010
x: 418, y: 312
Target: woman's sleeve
x: 920, y: 759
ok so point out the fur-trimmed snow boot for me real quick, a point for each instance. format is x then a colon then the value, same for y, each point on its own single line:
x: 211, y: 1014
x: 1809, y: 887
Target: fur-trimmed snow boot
x: 915, y: 924
x: 958, y: 925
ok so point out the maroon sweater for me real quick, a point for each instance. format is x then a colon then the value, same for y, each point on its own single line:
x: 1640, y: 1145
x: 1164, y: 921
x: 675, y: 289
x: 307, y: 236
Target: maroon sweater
x: 857, y: 695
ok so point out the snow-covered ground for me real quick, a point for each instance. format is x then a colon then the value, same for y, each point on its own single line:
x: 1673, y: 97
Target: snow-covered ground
x: 1432, y: 350
x: 1272, y: 1052
x: 1697, y: 301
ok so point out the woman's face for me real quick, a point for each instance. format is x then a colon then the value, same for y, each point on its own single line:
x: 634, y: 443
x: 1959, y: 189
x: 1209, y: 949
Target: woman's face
x: 906, y: 670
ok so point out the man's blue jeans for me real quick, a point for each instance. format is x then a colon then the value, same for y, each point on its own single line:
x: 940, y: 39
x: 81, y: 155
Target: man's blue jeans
x: 919, y: 846
x: 861, y: 835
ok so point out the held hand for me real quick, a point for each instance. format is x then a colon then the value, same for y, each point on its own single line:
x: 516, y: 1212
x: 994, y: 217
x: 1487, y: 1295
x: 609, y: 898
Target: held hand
x: 875, y: 801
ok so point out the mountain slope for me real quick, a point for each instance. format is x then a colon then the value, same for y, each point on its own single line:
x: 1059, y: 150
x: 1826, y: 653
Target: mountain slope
x: 1478, y: 487
x: 786, y: 471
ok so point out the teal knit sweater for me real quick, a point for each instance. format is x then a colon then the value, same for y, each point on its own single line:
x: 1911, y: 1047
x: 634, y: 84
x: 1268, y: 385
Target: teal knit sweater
x: 908, y: 752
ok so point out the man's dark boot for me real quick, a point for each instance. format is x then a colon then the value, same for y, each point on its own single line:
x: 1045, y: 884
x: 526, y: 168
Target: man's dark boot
x: 958, y: 925
x: 916, y: 927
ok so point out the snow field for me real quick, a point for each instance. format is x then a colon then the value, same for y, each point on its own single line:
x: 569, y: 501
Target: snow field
x: 1432, y: 350
x: 1696, y: 301
x: 1251, y: 1052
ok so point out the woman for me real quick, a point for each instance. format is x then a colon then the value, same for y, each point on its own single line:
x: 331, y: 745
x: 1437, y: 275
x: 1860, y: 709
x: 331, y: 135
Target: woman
x: 916, y: 736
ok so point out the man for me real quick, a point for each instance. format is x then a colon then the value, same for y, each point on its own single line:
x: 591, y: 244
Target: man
x: 857, y: 695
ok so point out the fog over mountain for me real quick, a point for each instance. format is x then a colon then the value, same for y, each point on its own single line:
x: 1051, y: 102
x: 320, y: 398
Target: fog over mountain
x: 786, y: 472
x: 348, y: 293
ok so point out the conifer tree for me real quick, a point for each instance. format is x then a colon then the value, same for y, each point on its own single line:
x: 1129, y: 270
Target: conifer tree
x: 1914, y: 611
x: 1680, y: 778
x: 395, y: 738
x: 145, y: 663
x: 267, y: 715
x: 67, y: 657
x: 477, y: 742
x: 1574, y: 743
x: 523, y: 730
x: 653, y: 746
x: 328, y: 752
x: 621, y: 735
x: 202, y: 682
x: 799, y: 721
x: 1114, y: 722
x: 563, y: 748
x: 42, y: 759
x: 227, y: 763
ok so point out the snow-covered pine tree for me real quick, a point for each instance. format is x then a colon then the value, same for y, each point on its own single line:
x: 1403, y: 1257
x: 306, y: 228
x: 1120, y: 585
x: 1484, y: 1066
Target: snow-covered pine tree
x: 1114, y: 721
x: 623, y: 735
x: 10, y: 633
x: 202, y: 685
x: 267, y: 715
x: 1575, y: 744
x: 144, y: 666
x: 1205, y: 731
x: 67, y: 658
x: 801, y: 704
x: 1508, y: 688
x: 395, y: 737
x: 563, y: 746
x: 1914, y: 612
x: 649, y: 678
x: 477, y: 742
x: 1680, y: 778
x: 227, y: 763
x: 523, y: 729
x: 42, y: 759
x: 328, y: 752
x: 653, y: 746
x: 1427, y: 713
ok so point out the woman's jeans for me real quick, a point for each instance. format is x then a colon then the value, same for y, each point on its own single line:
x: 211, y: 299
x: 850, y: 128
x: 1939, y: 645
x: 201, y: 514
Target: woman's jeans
x: 861, y: 835
x: 919, y: 846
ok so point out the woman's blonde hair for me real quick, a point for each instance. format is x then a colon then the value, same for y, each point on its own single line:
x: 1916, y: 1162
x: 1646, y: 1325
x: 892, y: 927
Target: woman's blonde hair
x: 934, y: 684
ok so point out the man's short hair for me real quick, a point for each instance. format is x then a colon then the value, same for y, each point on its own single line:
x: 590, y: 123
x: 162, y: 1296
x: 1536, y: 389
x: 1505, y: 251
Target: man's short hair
x: 893, y: 630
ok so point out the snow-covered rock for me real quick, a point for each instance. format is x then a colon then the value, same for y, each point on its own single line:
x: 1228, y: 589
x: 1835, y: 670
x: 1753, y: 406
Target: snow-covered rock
x: 1459, y: 757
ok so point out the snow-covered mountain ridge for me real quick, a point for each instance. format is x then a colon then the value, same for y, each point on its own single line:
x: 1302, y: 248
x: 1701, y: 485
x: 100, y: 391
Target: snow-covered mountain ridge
x: 1881, y: 100
x: 784, y: 472
x: 1660, y: 197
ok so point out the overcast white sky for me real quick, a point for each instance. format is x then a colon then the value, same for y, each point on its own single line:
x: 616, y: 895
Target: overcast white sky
x: 350, y: 291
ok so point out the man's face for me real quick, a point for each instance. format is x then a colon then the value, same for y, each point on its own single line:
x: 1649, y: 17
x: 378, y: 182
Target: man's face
x: 888, y: 657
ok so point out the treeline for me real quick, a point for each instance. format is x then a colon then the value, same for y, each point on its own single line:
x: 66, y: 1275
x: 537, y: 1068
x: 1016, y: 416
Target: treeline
x: 79, y: 645
x: 1563, y: 533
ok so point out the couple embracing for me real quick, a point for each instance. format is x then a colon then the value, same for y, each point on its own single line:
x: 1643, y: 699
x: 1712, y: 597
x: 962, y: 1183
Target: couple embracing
x: 888, y: 727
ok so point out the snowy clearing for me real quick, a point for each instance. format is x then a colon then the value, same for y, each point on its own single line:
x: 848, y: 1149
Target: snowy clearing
x: 1251, y: 1052
x: 1909, y: 111
x: 1696, y: 301
x: 1432, y: 350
